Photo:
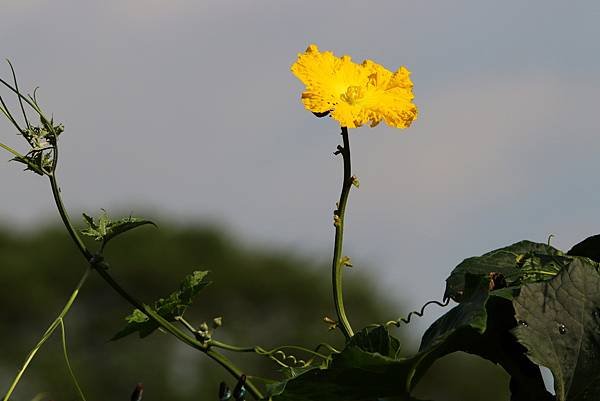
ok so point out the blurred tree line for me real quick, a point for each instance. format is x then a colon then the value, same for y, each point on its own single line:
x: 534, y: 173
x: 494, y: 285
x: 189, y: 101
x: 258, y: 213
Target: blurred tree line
x: 266, y: 297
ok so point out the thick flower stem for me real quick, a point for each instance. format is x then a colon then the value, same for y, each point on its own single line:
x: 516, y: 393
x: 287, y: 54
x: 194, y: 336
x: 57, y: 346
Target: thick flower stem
x: 337, y: 265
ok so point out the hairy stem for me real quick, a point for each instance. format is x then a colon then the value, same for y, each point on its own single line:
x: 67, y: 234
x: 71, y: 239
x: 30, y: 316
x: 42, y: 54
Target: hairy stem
x: 337, y: 265
x: 47, y: 334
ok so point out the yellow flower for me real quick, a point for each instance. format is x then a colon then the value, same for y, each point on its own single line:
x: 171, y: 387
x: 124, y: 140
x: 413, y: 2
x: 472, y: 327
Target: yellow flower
x: 355, y: 94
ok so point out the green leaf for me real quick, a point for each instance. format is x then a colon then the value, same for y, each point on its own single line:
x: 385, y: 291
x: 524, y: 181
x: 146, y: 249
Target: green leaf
x: 560, y: 327
x: 106, y: 229
x: 103, y: 222
x: 170, y: 307
x: 589, y: 247
x: 481, y: 325
x: 121, y: 226
x: 524, y: 261
x: 356, y: 374
x: 376, y: 340
x: 369, y: 368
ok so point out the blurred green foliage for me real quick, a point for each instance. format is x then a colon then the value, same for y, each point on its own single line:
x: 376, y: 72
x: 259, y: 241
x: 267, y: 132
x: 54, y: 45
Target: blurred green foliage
x: 265, y: 297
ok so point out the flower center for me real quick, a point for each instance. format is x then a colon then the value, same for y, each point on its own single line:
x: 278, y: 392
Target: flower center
x: 353, y: 94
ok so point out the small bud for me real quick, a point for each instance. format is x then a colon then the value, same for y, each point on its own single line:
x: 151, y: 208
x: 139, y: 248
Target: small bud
x: 202, y: 336
x: 217, y: 322
x: 332, y: 323
x: 336, y: 220
x: 203, y: 327
x: 346, y: 261
x: 355, y: 181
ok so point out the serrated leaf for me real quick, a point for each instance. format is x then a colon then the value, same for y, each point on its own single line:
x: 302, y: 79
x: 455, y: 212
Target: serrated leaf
x: 561, y: 328
x: 121, y: 226
x: 170, y: 307
x: 517, y: 263
x: 106, y: 229
x: 137, y: 321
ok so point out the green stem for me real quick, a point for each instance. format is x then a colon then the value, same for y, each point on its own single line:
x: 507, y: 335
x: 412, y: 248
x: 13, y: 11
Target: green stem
x: 166, y: 325
x: 47, y: 334
x: 337, y: 266
x: 11, y: 150
x: 23, y: 159
x: 63, y: 211
x: 261, y: 351
x: 66, y: 355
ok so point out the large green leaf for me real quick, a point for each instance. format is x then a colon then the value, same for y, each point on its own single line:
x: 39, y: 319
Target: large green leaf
x: 369, y: 368
x: 170, y: 307
x: 481, y: 325
x: 366, y: 370
x: 522, y: 262
x: 560, y: 327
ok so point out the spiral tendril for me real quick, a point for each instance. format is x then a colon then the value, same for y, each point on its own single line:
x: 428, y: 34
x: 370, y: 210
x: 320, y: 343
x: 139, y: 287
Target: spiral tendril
x: 418, y: 313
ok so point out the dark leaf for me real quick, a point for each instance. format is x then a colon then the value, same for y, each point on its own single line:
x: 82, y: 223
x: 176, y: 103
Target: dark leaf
x: 589, y: 247
x: 376, y: 340
x: 524, y: 261
x: 481, y: 326
x: 355, y: 374
x: 561, y: 328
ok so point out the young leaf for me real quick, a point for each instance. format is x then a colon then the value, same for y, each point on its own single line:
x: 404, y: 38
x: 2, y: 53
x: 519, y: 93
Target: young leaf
x: 560, y: 327
x: 92, y: 228
x: 170, y: 307
x: 121, y: 226
x: 106, y: 229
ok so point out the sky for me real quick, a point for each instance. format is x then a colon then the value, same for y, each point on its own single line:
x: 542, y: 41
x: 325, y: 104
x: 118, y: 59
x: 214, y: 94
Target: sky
x: 187, y: 110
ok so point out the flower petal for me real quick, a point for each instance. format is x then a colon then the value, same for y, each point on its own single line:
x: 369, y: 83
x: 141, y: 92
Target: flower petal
x: 355, y: 94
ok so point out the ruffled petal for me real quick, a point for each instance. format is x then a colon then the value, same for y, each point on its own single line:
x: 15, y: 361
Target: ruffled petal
x: 355, y: 94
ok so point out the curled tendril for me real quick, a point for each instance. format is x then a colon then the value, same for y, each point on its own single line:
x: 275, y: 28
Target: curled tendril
x: 419, y: 313
x: 287, y: 360
x: 284, y: 360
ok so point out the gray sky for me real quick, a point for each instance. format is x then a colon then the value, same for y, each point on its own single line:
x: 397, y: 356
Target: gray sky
x: 188, y: 108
